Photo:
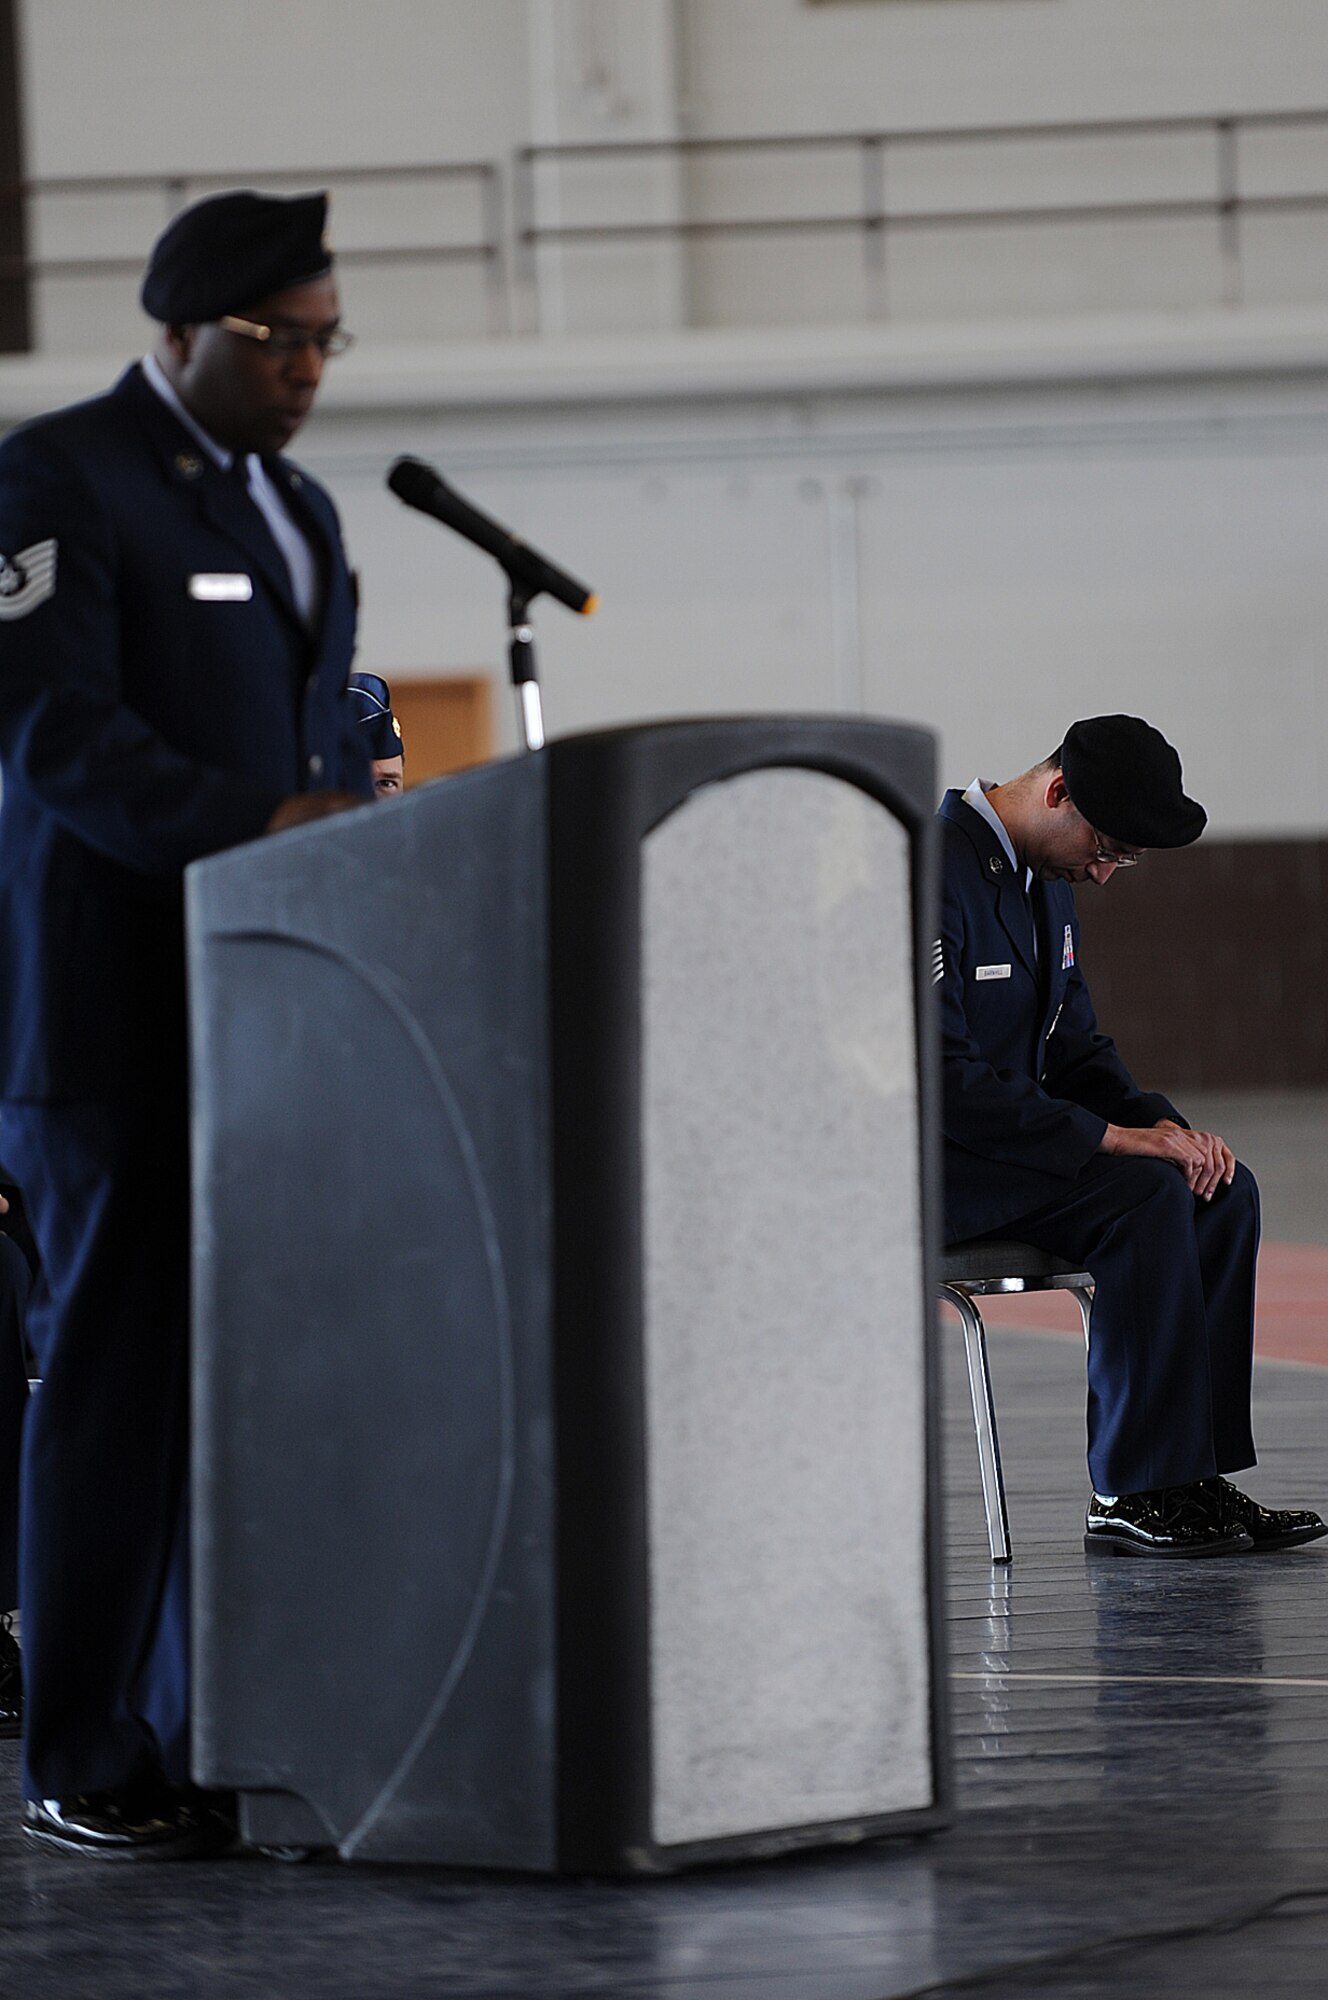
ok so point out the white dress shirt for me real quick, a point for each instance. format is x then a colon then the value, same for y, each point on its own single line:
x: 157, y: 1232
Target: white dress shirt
x: 976, y: 796
x: 267, y: 497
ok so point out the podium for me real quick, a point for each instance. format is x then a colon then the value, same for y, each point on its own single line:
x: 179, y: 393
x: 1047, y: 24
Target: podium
x: 565, y: 1490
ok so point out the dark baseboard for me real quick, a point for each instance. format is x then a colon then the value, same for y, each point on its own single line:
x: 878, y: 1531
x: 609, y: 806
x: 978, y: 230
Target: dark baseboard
x: 1209, y: 966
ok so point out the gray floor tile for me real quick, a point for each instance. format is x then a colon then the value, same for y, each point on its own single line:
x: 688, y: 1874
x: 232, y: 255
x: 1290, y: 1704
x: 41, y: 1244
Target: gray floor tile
x: 1142, y: 1755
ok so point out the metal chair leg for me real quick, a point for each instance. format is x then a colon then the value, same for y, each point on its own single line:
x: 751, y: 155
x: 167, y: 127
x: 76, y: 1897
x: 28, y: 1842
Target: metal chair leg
x: 1083, y: 1298
x: 984, y: 1422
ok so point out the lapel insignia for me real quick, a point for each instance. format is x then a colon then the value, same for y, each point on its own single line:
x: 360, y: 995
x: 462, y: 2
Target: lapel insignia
x: 996, y: 864
x: 1067, y: 950
x: 188, y: 464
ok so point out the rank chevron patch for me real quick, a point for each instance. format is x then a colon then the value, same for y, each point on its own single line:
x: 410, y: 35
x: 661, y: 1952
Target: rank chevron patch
x: 937, y: 963
x: 27, y: 579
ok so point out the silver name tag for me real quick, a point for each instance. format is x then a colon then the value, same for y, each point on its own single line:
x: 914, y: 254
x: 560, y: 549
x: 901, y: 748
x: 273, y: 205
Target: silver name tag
x: 992, y: 972
x: 214, y: 587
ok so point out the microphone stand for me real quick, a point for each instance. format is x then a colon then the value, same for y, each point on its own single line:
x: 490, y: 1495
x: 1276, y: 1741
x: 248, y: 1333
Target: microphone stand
x: 525, y: 671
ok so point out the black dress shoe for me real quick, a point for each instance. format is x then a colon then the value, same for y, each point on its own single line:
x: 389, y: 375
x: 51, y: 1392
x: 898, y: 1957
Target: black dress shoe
x: 162, y: 1825
x: 1175, y: 1521
x: 1267, y: 1527
x: 11, y: 1681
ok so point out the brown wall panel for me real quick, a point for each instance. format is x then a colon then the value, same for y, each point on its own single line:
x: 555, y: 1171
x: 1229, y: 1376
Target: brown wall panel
x: 1210, y: 965
x: 446, y: 723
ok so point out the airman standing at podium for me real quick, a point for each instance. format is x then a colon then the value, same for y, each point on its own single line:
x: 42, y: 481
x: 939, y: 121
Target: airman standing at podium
x: 1050, y: 1141
x: 176, y: 629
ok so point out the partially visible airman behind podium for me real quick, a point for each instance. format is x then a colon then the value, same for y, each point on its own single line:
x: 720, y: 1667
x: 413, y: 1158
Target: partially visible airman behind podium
x: 565, y: 1467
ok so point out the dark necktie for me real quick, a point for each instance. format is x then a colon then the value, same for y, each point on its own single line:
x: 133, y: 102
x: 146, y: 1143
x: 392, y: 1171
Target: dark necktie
x: 1037, y: 919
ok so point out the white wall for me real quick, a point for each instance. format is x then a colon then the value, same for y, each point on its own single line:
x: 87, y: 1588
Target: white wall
x: 148, y: 86
x: 240, y: 92
x: 988, y: 527
x: 782, y: 66
x: 848, y: 531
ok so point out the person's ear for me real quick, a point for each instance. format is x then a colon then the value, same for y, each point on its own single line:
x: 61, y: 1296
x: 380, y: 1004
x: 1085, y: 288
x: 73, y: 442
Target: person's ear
x: 180, y: 340
x: 1056, y: 794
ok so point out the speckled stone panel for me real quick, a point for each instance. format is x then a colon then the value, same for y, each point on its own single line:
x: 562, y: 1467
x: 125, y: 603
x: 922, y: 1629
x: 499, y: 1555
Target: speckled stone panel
x: 784, y: 1312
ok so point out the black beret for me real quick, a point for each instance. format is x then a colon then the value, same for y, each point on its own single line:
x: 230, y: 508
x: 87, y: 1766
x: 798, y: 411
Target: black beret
x: 371, y: 699
x: 234, y: 250
x: 1124, y: 778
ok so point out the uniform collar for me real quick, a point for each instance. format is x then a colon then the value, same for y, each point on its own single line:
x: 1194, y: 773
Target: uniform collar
x: 1013, y: 910
x: 157, y: 380
x: 197, y: 470
x: 976, y: 797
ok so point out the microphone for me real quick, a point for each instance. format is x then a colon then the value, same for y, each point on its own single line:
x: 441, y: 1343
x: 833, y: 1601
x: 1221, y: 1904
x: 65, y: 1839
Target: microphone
x: 420, y: 486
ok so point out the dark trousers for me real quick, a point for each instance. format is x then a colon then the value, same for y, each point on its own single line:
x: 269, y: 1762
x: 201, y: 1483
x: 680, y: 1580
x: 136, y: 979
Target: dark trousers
x: 15, y: 1284
x: 103, y: 1584
x: 1171, y: 1350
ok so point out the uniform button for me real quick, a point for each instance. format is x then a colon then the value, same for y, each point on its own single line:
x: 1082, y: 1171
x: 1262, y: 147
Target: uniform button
x: 315, y: 766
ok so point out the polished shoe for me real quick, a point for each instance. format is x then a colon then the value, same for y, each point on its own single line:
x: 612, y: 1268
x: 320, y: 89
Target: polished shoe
x: 11, y: 1681
x: 1267, y: 1527
x: 158, y: 1825
x: 1174, y: 1521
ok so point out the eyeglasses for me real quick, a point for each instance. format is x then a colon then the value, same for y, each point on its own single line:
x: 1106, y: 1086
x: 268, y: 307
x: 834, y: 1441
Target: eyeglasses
x: 289, y: 340
x: 1116, y: 860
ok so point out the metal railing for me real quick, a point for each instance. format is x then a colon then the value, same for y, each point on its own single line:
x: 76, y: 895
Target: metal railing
x: 507, y: 252
x: 875, y: 220
x: 488, y: 247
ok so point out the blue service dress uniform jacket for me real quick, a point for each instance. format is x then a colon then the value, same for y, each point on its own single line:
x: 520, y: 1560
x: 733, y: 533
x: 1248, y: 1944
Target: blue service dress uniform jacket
x: 1029, y: 1080
x: 159, y: 696
x: 1029, y: 1085
x: 143, y: 722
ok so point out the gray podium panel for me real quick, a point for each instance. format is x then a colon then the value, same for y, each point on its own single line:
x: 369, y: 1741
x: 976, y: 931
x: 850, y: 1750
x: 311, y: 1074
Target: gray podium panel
x: 784, y: 1315
x: 373, y: 1580
x: 565, y: 1479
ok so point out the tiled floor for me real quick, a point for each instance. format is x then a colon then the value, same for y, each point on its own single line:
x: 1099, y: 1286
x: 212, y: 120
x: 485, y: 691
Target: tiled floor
x: 1142, y: 1756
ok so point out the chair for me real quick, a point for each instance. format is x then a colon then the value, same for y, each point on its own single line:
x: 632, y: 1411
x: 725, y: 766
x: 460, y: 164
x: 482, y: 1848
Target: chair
x: 974, y: 1270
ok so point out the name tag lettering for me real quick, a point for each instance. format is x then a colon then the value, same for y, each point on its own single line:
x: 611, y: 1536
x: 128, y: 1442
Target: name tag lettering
x: 993, y: 972
x: 218, y: 587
